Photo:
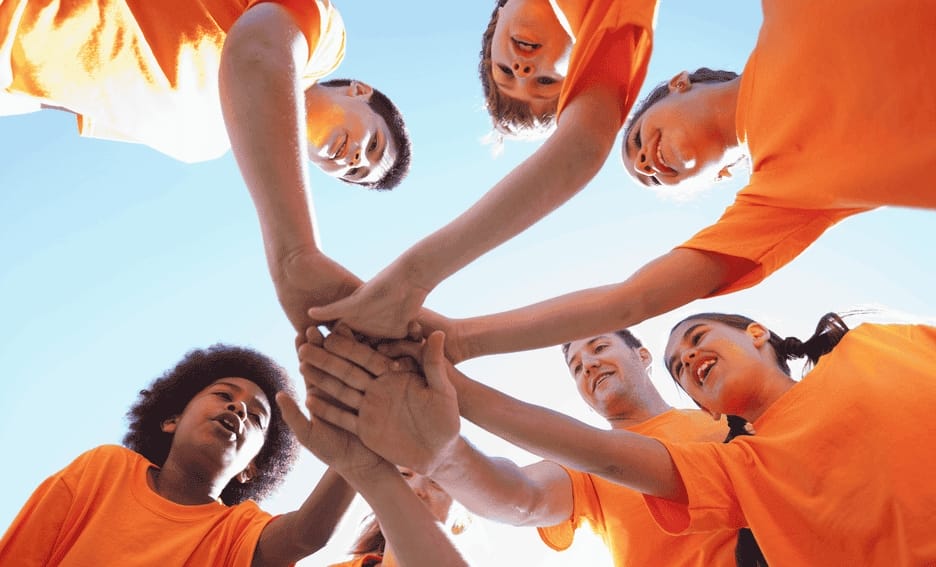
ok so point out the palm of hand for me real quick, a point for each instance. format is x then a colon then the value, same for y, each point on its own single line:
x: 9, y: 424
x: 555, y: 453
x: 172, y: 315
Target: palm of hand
x: 337, y: 448
x: 410, y: 424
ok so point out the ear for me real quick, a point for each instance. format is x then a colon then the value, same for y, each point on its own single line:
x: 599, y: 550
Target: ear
x: 758, y: 333
x: 357, y: 88
x: 680, y: 83
x: 169, y: 425
x: 723, y: 173
x: 247, y: 474
x: 645, y: 357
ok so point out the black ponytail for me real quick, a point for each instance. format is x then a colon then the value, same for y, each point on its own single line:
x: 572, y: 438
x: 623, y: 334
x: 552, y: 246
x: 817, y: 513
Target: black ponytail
x: 747, y: 552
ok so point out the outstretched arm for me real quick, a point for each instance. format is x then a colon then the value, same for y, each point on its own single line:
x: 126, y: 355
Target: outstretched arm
x: 561, y: 167
x: 638, y: 462
x: 414, y: 422
x: 264, y: 110
x: 671, y: 281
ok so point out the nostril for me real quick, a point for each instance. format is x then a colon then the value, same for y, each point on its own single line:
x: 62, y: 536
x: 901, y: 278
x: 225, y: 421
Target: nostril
x: 526, y: 69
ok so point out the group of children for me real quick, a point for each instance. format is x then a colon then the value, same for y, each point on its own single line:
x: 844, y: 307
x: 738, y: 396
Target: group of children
x: 834, y: 124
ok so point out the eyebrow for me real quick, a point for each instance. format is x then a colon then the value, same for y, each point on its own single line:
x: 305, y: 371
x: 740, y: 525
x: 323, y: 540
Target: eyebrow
x: 588, y: 344
x: 256, y: 404
x: 672, y: 360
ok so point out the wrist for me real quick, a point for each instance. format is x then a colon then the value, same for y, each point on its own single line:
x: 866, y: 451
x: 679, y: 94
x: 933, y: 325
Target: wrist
x: 286, y: 261
x: 451, y: 462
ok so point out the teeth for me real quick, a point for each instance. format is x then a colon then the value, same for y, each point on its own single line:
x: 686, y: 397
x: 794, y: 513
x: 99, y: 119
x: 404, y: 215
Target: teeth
x: 702, y: 371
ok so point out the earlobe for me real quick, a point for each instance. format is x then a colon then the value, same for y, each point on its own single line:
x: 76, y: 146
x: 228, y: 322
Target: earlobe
x: 680, y: 83
x: 247, y: 474
x: 169, y: 425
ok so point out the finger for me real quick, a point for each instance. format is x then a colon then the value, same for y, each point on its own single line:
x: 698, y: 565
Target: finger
x: 300, y: 340
x: 293, y: 416
x: 435, y: 365
x: 397, y: 349
x: 331, y: 387
x: 334, y: 415
x: 332, y: 311
x: 314, y: 335
x: 359, y: 353
x: 414, y: 331
x: 346, y: 371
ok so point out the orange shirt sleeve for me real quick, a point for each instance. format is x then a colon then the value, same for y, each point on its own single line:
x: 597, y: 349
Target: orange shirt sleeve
x: 765, y: 235
x: 31, y: 538
x: 306, y: 15
x: 584, y: 504
x: 612, y: 48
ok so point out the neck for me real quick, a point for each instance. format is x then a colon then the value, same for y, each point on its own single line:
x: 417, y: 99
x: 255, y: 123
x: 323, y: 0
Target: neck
x: 646, y: 407
x: 183, y: 486
x: 723, y: 99
x: 773, y: 387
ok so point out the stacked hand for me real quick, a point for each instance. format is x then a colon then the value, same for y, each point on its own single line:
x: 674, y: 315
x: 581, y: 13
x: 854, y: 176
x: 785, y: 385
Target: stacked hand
x: 307, y: 279
x: 409, y: 419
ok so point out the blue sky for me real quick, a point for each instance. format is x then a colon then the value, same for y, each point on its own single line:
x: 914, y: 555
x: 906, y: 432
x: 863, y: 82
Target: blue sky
x: 115, y: 260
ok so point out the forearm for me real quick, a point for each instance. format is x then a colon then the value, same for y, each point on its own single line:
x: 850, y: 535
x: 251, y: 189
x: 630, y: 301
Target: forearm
x: 671, y: 281
x: 295, y: 535
x: 410, y: 529
x: 558, y: 170
x: 264, y: 111
x: 638, y: 462
x: 498, y: 489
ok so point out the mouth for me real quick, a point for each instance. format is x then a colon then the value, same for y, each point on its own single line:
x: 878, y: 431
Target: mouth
x: 341, y: 149
x: 601, y: 378
x: 524, y: 45
x: 230, y: 422
x: 659, y: 162
x: 702, y: 371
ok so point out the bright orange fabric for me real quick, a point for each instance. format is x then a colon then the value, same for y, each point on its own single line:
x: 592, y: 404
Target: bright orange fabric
x: 838, y: 119
x: 619, y: 515
x: 841, y: 469
x: 368, y: 560
x: 139, y: 70
x: 613, y: 40
x: 99, y: 510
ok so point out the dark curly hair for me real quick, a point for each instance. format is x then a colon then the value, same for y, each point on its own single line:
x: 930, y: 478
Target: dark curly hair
x: 170, y: 393
x: 384, y: 107
x: 509, y: 116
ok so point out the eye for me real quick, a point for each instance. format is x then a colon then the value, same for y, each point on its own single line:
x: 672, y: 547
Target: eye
x: 505, y: 70
x: 576, y: 369
x: 696, y: 337
x: 406, y: 474
x: 546, y: 80
x: 224, y: 395
x: 637, y: 141
x: 255, y: 417
x: 600, y: 347
x: 372, y: 145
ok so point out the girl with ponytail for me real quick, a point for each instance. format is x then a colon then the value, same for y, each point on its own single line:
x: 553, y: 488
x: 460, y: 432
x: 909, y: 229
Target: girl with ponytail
x: 839, y: 471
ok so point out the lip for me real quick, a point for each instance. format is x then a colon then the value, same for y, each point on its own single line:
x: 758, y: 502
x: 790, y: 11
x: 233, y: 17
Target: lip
x: 342, y: 147
x: 599, y: 378
x: 231, y: 423
x: 526, y: 45
x: 703, y: 363
x: 657, y: 161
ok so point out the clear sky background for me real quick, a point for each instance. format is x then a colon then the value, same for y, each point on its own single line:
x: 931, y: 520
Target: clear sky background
x: 116, y: 260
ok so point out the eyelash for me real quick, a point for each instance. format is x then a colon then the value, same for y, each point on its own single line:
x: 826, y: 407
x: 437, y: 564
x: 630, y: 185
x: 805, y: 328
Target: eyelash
x: 373, y: 144
x: 505, y: 70
x: 546, y: 81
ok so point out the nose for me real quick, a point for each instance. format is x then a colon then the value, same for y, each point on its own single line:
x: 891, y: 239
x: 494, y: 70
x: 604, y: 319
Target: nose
x: 239, y: 408
x: 522, y: 68
x: 590, y: 363
x: 642, y: 163
x: 354, y: 156
x: 687, y: 356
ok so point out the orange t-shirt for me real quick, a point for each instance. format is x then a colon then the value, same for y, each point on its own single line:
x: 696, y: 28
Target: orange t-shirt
x: 841, y: 469
x: 619, y: 515
x: 612, y: 45
x: 368, y: 560
x: 141, y: 70
x: 100, y: 510
x: 838, y: 120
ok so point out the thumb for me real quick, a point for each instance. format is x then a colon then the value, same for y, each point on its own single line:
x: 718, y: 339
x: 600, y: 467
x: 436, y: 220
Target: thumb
x: 330, y: 312
x: 292, y: 415
x: 435, y: 365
